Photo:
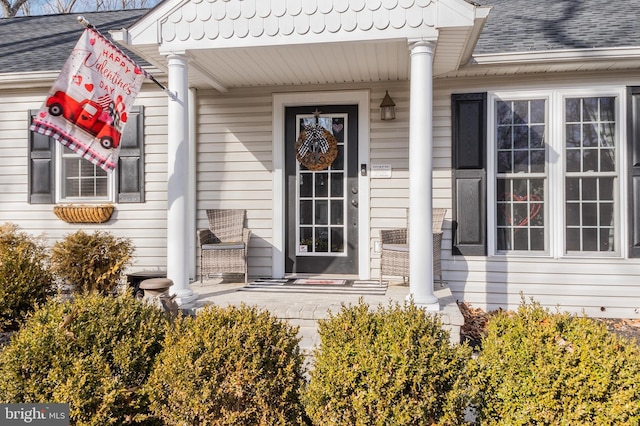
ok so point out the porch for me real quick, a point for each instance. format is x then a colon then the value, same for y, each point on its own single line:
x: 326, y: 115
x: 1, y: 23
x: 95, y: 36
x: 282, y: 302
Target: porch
x: 304, y: 309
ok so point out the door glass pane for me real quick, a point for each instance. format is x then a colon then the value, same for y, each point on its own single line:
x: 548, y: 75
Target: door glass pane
x: 337, y: 184
x: 322, y: 212
x: 322, y: 240
x: 337, y: 240
x: 322, y: 184
x: 321, y: 195
x: 306, y: 212
x: 306, y: 187
x: 337, y: 212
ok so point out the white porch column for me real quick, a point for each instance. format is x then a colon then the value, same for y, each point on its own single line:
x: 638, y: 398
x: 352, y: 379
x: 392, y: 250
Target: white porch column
x: 420, y: 176
x: 178, y: 180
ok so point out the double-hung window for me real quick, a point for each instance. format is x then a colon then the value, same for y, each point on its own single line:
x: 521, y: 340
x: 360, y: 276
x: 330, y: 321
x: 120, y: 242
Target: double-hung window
x: 556, y: 174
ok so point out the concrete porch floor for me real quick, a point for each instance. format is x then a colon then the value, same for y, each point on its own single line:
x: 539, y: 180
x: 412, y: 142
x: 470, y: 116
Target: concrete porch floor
x: 304, y: 309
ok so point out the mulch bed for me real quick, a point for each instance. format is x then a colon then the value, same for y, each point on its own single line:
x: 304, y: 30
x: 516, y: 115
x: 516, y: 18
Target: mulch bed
x: 475, y: 325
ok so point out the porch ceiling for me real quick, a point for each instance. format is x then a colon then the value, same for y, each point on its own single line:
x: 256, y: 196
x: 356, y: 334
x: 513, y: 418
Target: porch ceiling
x: 305, y: 64
x: 299, y: 64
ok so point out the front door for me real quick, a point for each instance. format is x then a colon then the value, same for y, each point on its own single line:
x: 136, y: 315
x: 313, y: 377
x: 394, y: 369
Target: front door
x: 321, y: 189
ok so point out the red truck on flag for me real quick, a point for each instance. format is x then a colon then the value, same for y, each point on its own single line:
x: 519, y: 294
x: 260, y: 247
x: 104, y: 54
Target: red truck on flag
x: 86, y: 114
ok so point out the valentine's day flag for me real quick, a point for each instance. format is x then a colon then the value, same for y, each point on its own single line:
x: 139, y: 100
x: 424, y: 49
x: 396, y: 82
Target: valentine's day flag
x: 87, y: 107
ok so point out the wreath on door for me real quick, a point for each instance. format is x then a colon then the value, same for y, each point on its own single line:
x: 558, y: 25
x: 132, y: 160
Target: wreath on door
x: 316, y: 148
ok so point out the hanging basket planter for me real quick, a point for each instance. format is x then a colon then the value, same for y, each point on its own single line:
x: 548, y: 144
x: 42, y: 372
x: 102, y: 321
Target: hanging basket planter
x: 84, y: 213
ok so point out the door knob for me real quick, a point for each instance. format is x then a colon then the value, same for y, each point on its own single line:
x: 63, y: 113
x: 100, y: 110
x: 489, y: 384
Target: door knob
x: 354, y: 203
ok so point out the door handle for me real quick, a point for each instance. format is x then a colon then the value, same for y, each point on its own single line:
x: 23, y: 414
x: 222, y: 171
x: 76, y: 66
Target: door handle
x: 354, y: 203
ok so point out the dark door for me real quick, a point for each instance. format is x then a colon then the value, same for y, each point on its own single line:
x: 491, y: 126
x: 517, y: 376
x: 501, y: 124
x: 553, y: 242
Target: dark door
x: 322, y: 204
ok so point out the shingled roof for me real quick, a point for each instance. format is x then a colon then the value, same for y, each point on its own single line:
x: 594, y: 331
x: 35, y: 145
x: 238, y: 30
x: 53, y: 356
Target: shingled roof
x: 541, y: 25
x: 43, y: 43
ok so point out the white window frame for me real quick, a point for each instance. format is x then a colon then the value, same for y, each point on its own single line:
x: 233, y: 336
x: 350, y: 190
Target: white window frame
x: 554, y: 203
x: 111, y: 184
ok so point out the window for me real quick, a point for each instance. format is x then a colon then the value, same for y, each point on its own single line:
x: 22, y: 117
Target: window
x: 57, y: 174
x: 521, y: 174
x: 590, y: 177
x: 80, y: 179
x: 556, y: 175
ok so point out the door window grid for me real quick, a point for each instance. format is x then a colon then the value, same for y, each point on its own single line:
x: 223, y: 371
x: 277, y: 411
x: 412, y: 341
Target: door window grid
x: 521, y: 175
x: 321, y: 208
x: 590, y: 177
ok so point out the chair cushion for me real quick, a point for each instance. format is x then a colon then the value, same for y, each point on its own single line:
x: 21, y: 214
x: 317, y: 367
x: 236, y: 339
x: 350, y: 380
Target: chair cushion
x: 223, y: 246
x: 396, y: 247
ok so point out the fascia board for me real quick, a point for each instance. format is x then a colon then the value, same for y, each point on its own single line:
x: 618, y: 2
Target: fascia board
x: 28, y: 79
x: 556, y: 56
x: 481, y: 18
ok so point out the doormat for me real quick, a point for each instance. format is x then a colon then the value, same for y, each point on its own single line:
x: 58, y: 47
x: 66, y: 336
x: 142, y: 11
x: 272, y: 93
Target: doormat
x: 306, y: 285
x: 315, y: 281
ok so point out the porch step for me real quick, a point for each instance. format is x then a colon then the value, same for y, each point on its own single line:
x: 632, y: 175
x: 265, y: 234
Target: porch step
x: 305, y: 310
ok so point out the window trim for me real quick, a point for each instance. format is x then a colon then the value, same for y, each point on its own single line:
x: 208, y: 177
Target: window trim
x: 554, y: 208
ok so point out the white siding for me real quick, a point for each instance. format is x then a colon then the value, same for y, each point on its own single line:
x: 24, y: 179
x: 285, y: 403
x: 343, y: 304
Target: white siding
x: 144, y: 223
x: 234, y: 165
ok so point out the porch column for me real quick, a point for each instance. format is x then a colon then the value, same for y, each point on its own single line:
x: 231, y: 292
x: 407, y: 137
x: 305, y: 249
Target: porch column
x: 420, y: 176
x: 178, y: 180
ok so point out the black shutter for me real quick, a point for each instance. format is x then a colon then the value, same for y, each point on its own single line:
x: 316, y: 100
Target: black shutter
x: 469, y: 137
x: 41, y: 167
x: 131, y: 161
x: 633, y: 154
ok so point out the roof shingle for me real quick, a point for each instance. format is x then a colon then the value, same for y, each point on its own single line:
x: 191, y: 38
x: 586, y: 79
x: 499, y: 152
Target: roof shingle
x: 530, y: 25
x: 43, y: 43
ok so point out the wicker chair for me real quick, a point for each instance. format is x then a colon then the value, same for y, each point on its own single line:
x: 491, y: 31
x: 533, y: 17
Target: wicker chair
x: 224, y: 246
x: 394, y: 256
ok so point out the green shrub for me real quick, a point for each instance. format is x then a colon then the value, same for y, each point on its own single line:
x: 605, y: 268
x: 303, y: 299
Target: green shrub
x: 94, y: 352
x: 25, y: 277
x: 91, y: 262
x: 229, y: 366
x: 391, y: 366
x: 555, y: 369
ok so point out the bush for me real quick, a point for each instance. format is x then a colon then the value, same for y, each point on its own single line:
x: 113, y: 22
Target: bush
x: 25, y: 277
x: 229, y: 366
x: 94, y: 352
x: 91, y: 262
x: 555, y: 369
x: 394, y: 366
